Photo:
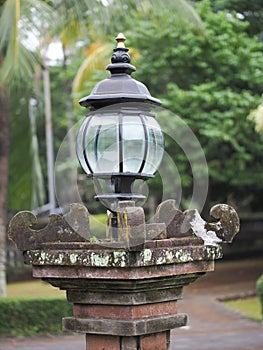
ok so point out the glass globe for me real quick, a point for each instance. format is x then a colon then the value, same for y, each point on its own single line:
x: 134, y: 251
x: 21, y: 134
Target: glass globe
x: 126, y: 141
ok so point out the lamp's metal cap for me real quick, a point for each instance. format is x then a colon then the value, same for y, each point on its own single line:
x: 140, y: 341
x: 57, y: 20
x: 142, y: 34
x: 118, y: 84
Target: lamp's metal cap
x: 120, y: 40
x: 120, y: 86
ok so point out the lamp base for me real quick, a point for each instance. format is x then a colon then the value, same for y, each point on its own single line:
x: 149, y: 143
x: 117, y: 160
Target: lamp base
x: 118, y: 188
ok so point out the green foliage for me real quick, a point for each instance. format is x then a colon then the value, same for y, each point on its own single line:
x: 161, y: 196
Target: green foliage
x: 257, y: 117
x: 32, y: 316
x: 212, y: 79
x: 98, y: 225
x: 228, y: 139
x: 25, y: 189
x: 19, y: 189
x: 18, y: 61
x: 252, y: 11
x: 259, y: 286
x: 124, y: 15
x: 223, y: 53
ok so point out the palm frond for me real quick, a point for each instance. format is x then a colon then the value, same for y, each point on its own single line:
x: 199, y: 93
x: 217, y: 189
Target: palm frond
x: 122, y: 15
x: 97, y: 59
x: 20, y: 22
x: 72, y: 15
x: 37, y: 18
x: 7, y: 24
x: 19, y: 67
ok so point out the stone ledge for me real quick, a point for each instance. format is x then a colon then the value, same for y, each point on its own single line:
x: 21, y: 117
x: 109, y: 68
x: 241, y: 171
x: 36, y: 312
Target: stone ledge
x: 117, y: 297
x: 123, y: 327
x: 71, y: 274
x: 123, y: 258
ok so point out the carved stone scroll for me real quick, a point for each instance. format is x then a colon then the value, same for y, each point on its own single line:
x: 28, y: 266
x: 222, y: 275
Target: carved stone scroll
x: 173, y: 218
x: 73, y: 227
x: 228, y: 225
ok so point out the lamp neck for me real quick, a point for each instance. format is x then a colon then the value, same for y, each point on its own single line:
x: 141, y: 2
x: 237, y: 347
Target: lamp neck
x: 123, y: 184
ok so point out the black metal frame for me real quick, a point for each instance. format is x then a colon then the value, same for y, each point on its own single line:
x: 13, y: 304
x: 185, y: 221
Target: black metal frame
x: 117, y: 89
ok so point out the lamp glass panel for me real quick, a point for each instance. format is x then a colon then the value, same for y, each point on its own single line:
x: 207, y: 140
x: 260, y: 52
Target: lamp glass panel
x: 102, y: 144
x: 127, y: 142
x: 155, y: 145
x: 133, y: 143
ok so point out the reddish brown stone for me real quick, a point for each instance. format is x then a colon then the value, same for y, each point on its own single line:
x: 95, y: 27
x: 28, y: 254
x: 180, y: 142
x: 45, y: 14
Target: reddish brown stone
x: 102, y: 342
x: 70, y: 272
x: 125, y: 312
x: 157, y: 341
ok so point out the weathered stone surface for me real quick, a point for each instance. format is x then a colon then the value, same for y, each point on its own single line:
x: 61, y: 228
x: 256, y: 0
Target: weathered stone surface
x: 156, y: 231
x: 103, y: 342
x: 181, y: 224
x: 130, y: 297
x: 160, y: 341
x: 59, y: 228
x: 129, y: 343
x: 172, y: 217
x: 123, y: 258
x: 132, y: 228
x: 71, y: 231
x: 69, y: 274
x: 223, y: 230
x: 123, y: 327
x: 198, y: 227
x: 228, y: 225
x: 130, y: 312
x: 126, y: 286
x: 178, y: 242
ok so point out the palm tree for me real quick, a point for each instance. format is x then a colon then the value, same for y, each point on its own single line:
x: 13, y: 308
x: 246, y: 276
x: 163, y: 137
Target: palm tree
x: 4, y: 141
x: 17, y: 65
x: 21, y: 21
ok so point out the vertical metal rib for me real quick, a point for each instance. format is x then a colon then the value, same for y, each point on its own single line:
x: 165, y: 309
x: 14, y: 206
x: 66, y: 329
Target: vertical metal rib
x: 120, y: 143
x: 96, y: 141
x: 84, y: 145
x: 145, y: 143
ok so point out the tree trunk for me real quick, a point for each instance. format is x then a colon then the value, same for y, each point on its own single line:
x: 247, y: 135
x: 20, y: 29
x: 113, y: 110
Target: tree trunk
x: 4, y: 145
x: 49, y: 139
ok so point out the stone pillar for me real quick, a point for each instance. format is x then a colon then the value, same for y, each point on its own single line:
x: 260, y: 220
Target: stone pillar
x: 125, y: 293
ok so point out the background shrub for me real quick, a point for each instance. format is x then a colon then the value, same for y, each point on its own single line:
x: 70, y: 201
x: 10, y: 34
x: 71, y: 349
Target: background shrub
x: 32, y: 316
x: 259, y: 286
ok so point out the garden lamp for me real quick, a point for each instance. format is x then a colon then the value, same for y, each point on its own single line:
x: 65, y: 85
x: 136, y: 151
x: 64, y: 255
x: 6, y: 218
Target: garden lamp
x: 120, y: 140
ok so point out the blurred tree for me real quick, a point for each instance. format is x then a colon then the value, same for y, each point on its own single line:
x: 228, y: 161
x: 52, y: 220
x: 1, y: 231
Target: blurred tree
x: 213, y: 80
x: 17, y: 64
x: 257, y: 117
x: 251, y: 11
x: 4, y: 142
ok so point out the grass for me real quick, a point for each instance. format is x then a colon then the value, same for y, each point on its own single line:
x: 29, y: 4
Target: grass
x: 98, y: 225
x: 33, y: 289
x: 249, y: 307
